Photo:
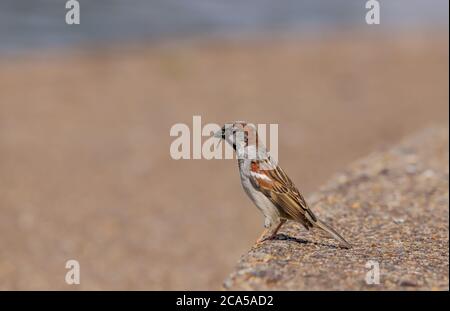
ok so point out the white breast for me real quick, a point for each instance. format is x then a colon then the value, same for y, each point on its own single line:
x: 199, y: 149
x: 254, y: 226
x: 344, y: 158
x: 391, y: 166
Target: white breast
x: 269, y: 210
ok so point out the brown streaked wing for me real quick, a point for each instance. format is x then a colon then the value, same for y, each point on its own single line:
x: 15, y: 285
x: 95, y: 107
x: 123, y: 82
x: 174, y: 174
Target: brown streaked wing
x: 281, y: 191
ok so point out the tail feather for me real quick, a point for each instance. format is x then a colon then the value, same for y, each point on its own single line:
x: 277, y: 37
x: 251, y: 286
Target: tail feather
x: 320, y: 224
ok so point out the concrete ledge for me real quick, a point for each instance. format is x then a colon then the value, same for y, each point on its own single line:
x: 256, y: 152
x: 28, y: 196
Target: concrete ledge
x: 393, y: 206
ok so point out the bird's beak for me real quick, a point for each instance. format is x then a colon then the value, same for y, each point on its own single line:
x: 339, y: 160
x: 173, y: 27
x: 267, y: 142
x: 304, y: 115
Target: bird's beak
x: 219, y: 134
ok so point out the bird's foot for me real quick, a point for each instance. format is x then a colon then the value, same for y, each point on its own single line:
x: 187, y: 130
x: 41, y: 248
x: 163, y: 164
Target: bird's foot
x: 262, y: 238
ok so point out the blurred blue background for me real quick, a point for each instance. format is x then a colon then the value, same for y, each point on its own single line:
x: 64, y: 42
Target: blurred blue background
x: 34, y: 24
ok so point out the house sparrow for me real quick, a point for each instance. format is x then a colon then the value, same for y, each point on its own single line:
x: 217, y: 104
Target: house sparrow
x: 267, y: 184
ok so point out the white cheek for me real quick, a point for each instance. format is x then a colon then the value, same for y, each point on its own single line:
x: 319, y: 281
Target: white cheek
x: 229, y: 139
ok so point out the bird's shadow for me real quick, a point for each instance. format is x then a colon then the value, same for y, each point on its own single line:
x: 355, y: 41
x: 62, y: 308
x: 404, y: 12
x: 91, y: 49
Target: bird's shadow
x: 285, y: 237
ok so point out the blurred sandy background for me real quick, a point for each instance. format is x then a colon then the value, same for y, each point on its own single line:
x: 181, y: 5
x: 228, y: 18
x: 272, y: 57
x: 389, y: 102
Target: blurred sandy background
x: 85, y: 167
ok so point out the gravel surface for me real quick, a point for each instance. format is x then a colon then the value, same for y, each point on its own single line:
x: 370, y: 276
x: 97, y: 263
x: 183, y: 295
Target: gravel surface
x: 392, y: 206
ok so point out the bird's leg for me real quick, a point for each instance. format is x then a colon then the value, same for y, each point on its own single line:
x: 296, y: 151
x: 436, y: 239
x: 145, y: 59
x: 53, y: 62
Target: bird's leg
x: 273, y: 234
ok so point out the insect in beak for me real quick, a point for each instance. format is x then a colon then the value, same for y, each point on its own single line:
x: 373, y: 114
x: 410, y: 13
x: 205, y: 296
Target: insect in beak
x: 221, y: 135
x: 218, y: 134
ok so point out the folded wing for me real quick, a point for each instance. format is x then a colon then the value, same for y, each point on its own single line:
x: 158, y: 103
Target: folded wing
x: 273, y: 182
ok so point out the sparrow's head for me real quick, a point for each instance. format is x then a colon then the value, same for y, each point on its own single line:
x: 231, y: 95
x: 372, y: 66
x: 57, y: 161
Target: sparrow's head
x: 241, y: 135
